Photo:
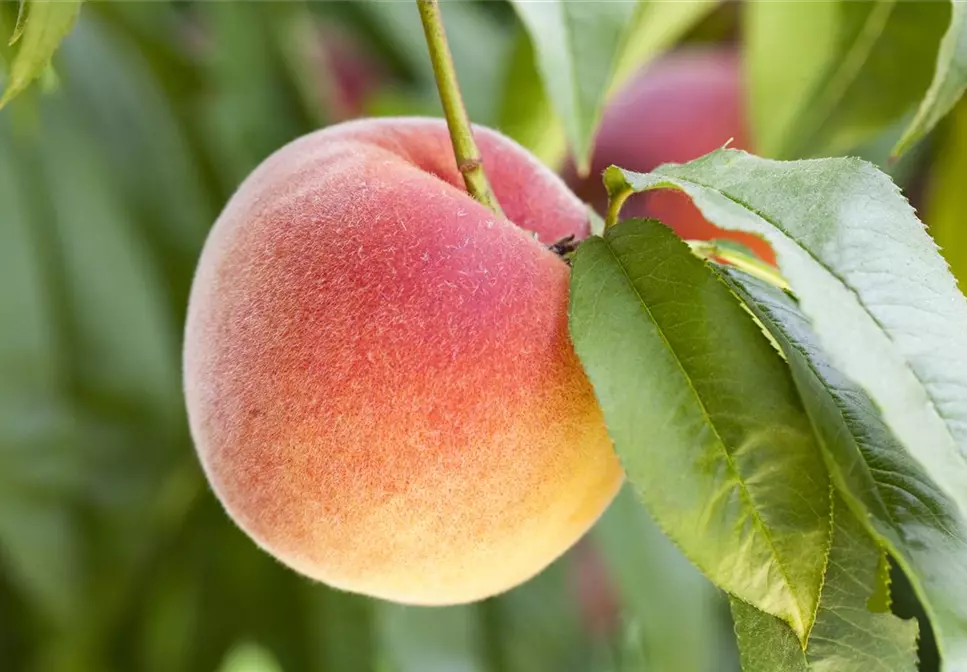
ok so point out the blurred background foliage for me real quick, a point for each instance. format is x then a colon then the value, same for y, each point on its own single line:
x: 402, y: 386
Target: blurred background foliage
x: 114, y: 555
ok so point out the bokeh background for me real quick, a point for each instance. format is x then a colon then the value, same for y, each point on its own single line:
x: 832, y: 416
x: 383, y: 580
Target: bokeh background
x: 114, y: 555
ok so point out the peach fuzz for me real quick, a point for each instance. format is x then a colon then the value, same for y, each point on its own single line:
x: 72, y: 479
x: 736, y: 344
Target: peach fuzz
x: 686, y: 104
x: 379, y: 378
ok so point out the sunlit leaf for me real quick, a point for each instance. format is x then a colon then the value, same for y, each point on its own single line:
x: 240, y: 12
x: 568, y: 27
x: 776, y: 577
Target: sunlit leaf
x: 888, y: 490
x: 525, y: 111
x: 949, y: 80
x: 698, y: 402
x: 18, y: 28
x: 868, y: 276
x: 826, y: 76
x: 47, y: 23
x: 847, y: 636
x: 577, y: 45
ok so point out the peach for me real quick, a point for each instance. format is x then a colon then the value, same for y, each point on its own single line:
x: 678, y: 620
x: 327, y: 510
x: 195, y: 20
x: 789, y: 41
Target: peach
x: 680, y: 107
x: 379, y: 378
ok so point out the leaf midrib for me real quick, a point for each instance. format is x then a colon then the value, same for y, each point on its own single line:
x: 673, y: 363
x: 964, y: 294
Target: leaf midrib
x: 720, y: 442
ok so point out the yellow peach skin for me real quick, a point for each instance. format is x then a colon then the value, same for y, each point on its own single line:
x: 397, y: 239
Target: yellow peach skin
x: 378, y: 373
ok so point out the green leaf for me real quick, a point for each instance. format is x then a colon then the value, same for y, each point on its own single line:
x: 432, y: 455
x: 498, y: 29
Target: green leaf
x: 847, y: 636
x: 525, y: 112
x: 698, y: 404
x: 949, y: 80
x: 577, y: 46
x: 880, y: 297
x: 18, y: 29
x: 826, y: 76
x: 47, y: 23
x: 657, y: 26
x: 766, y: 644
x: 886, y: 488
x: 674, y: 613
x: 947, y: 198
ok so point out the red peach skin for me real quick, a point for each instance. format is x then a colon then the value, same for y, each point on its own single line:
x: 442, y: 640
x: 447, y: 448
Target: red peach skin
x: 379, y: 378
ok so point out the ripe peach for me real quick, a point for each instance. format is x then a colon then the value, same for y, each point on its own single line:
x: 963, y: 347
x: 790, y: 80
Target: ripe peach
x: 379, y: 378
x: 677, y: 109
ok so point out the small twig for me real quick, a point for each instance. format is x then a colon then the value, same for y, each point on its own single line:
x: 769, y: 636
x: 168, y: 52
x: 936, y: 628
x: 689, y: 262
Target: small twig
x: 469, y: 162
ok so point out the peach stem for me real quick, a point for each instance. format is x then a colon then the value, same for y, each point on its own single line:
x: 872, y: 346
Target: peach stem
x: 465, y: 148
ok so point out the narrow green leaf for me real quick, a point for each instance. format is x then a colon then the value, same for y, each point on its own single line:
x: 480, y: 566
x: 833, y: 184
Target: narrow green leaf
x: 887, y: 489
x: 525, y: 112
x: 577, y: 46
x: 868, y: 276
x: 949, y: 80
x: 847, y: 636
x: 704, y: 416
x: 947, y: 199
x: 47, y: 23
x: 826, y: 76
x: 657, y: 26
x: 18, y: 28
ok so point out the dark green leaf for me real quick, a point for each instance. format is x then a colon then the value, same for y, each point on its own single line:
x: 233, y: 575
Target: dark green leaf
x: 888, y: 490
x: 825, y: 76
x: 698, y: 404
x: 847, y: 636
x: 46, y: 24
x: 949, y: 80
x: 577, y: 45
x: 880, y: 297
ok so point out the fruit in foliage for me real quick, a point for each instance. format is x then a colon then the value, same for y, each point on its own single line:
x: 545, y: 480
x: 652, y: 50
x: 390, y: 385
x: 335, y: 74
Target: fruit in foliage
x: 379, y: 377
x: 676, y: 109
